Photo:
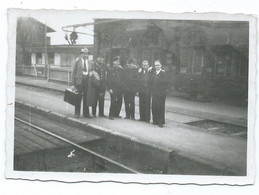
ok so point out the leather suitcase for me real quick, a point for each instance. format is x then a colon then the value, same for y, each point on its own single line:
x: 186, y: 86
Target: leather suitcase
x: 71, y: 96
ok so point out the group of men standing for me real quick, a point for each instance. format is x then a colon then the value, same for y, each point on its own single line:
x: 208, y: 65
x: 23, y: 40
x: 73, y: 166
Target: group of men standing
x: 149, y: 83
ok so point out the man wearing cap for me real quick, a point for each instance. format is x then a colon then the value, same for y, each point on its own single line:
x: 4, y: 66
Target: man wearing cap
x: 159, y: 90
x: 129, y: 88
x: 101, y: 69
x: 114, y: 81
x: 80, y: 80
x: 144, y: 89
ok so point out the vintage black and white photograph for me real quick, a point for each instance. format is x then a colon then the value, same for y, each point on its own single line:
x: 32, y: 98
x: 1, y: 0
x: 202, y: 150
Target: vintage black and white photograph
x: 130, y: 95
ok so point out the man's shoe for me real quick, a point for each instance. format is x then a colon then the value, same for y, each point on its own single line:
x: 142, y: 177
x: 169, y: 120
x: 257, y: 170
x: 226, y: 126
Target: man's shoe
x: 132, y: 118
x: 111, y: 117
x: 127, y: 117
x: 87, y: 116
x: 161, y: 125
x: 102, y: 115
x: 77, y: 116
x: 118, y: 117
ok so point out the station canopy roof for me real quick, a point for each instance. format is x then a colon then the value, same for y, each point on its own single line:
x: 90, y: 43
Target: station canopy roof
x: 234, y: 33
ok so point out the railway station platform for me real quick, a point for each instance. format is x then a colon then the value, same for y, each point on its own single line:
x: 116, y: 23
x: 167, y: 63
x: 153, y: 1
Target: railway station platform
x: 207, y: 147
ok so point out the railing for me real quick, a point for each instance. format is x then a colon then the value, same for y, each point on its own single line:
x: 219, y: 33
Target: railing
x: 54, y: 73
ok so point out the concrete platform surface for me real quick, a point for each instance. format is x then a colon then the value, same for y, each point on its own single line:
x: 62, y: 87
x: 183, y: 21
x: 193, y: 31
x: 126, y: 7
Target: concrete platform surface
x: 210, y: 110
x: 222, y: 150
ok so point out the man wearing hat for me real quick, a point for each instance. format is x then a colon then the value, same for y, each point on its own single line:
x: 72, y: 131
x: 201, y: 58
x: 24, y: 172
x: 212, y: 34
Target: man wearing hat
x: 115, y: 84
x: 80, y: 80
x: 101, y: 69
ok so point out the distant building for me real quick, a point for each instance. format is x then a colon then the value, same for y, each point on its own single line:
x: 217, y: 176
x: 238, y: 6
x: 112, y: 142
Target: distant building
x: 206, y: 58
x: 59, y: 60
x: 29, y: 33
x: 36, y: 57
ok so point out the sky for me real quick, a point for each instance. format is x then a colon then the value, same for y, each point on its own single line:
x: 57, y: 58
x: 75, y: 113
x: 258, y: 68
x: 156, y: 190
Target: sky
x: 58, y: 20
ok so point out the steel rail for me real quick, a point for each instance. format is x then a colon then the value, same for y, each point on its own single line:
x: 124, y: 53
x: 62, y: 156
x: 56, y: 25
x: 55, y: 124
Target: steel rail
x: 78, y: 146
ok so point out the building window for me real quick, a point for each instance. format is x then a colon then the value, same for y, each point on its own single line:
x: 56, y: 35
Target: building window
x: 152, y: 38
x: 147, y: 55
x: 38, y: 58
x: 220, y: 66
x: 151, y: 55
x: 192, y: 51
x: 51, y: 58
x: 228, y: 61
x: 67, y: 60
x: 192, y: 61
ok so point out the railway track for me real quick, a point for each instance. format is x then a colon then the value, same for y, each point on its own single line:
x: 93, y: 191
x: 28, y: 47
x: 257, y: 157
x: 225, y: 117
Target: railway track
x: 106, y: 151
x: 94, y: 155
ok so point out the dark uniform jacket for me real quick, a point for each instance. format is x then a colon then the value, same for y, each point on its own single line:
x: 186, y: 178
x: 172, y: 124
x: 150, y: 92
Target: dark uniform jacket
x: 101, y: 69
x: 130, y: 79
x: 115, y: 78
x: 144, y: 81
x: 159, y: 83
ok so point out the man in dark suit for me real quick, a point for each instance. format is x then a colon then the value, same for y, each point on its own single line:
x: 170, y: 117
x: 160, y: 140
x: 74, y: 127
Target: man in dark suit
x: 144, y: 90
x: 101, y: 69
x: 80, y: 80
x: 115, y: 84
x: 129, y: 88
x: 159, y: 90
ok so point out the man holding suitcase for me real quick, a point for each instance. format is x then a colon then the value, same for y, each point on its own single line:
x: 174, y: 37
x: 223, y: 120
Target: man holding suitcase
x: 80, y: 80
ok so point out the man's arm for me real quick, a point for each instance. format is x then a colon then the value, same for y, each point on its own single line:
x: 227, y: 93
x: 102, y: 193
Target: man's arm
x: 109, y: 75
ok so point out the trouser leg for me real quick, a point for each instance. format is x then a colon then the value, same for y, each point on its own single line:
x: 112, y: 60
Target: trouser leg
x: 147, y: 107
x: 132, y: 105
x: 127, y: 103
x: 118, y: 103
x: 78, y: 106
x: 141, y: 106
x: 85, y: 107
x: 101, y: 102
x: 155, y: 109
x: 84, y: 90
x: 112, y: 105
x: 78, y: 103
x: 94, y: 107
x: 161, y: 110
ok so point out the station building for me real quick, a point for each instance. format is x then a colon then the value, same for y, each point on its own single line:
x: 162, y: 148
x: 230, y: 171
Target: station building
x: 57, y: 59
x: 35, y: 56
x: 29, y: 33
x: 202, y: 58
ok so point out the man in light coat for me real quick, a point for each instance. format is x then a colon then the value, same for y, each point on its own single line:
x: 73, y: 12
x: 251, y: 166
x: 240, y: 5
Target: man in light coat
x: 82, y: 71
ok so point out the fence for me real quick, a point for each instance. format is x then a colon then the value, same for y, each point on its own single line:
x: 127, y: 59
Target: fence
x: 56, y: 74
